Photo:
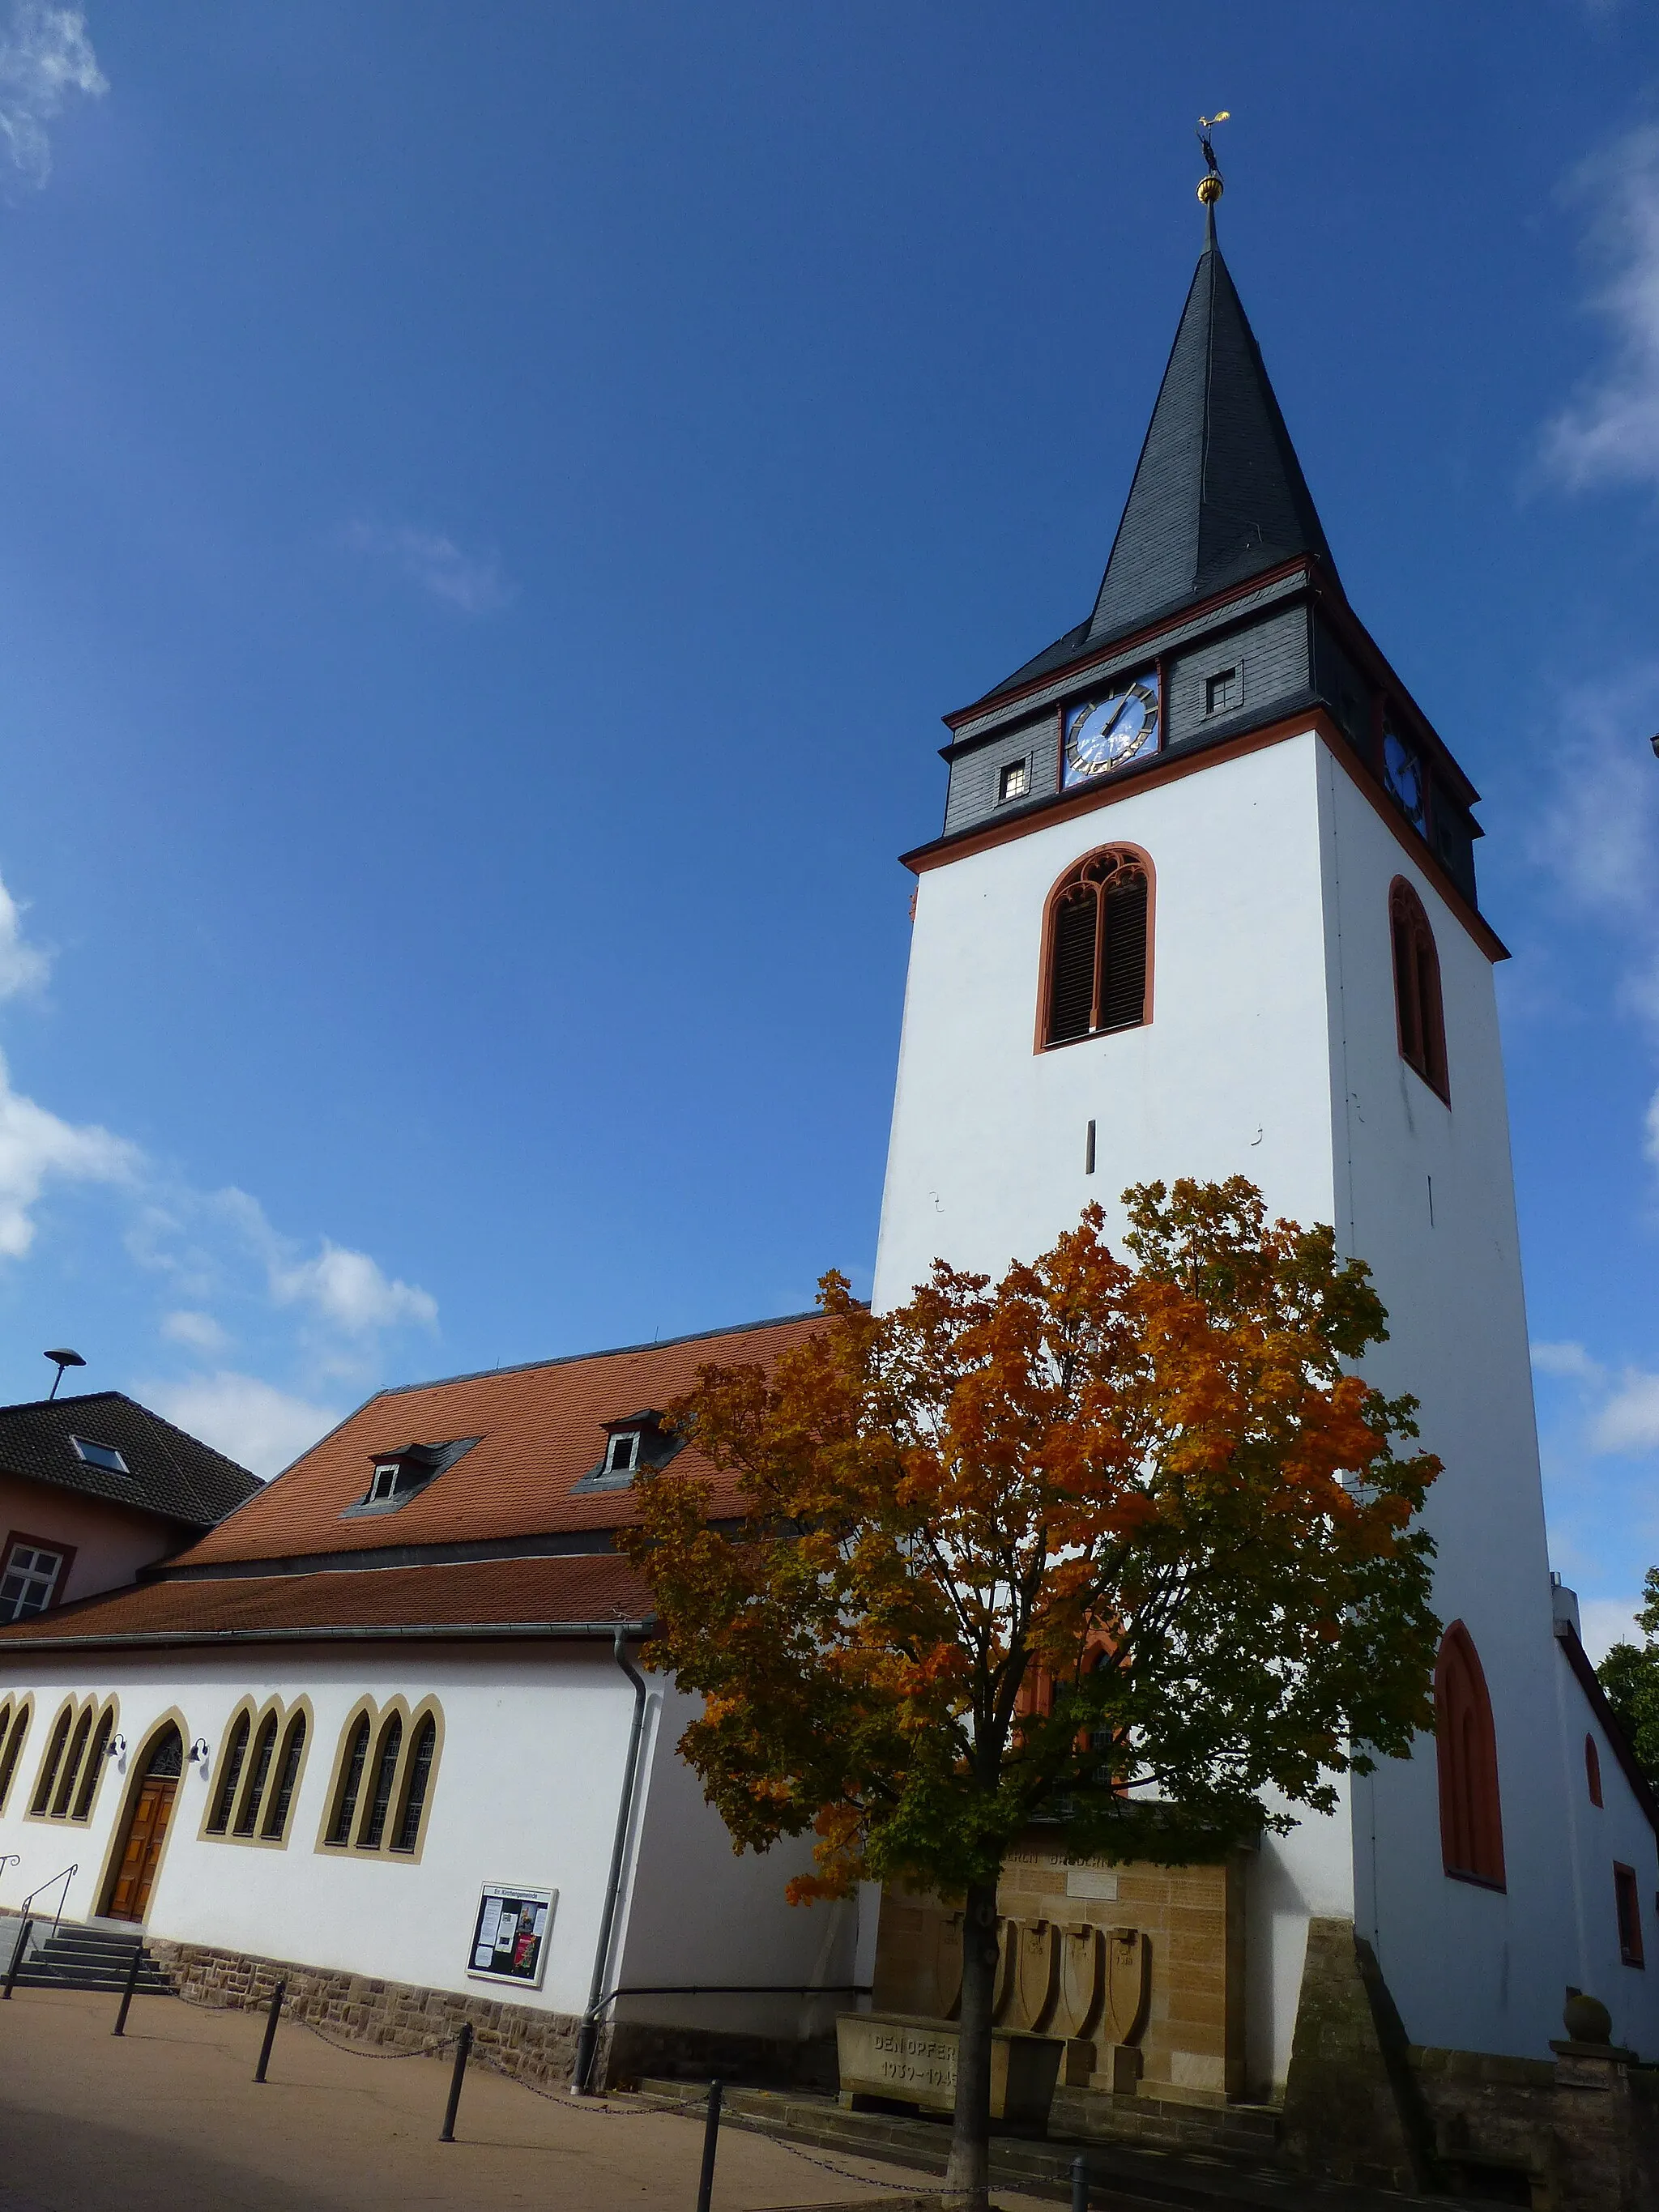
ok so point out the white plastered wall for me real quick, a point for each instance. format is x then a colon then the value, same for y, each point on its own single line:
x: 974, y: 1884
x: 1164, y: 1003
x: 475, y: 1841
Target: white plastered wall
x: 526, y: 1790
x: 1272, y: 1051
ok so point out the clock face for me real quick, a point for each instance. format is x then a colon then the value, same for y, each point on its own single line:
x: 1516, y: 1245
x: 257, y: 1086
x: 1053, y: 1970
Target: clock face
x: 1403, y: 772
x: 1109, y: 732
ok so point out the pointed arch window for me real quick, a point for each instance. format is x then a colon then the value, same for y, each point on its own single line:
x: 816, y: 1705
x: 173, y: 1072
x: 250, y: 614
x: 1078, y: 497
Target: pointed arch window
x: 1097, y: 947
x: 1466, y: 1745
x: 339, y: 1828
x: 1593, y: 1770
x: 264, y: 1745
x: 1418, y: 1010
x: 385, y: 1773
x: 275, y: 1824
x: 52, y: 1761
x: 415, y: 1786
x: 13, y: 1727
x: 235, y: 1759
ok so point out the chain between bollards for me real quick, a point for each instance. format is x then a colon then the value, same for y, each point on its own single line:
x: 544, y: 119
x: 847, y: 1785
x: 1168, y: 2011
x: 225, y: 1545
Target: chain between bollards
x: 276, y: 1997
x: 1080, y: 2184
x: 22, y: 1945
x: 120, y: 2027
x: 711, y: 2136
x: 463, y: 2046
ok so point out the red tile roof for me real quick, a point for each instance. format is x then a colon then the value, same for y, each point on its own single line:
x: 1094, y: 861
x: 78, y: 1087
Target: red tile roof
x: 540, y: 1430
x: 480, y: 1596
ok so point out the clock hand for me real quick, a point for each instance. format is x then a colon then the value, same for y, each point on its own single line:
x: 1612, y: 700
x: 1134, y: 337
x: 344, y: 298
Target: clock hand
x: 1122, y: 708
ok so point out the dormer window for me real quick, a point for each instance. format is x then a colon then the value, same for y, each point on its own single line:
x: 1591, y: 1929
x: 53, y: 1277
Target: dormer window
x: 399, y: 1475
x: 104, y: 1456
x: 622, y: 1453
x: 631, y: 1442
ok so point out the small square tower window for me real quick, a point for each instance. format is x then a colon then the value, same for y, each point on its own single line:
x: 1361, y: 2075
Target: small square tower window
x: 1222, y: 691
x: 623, y: 1455
x: 1012, y: 783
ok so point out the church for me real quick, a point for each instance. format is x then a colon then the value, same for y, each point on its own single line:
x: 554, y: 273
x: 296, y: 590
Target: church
x: 1205, y: 902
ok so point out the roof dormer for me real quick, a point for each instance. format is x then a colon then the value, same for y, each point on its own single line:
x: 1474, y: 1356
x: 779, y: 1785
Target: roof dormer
x: 404, y: 1471
x: 631, y: 1442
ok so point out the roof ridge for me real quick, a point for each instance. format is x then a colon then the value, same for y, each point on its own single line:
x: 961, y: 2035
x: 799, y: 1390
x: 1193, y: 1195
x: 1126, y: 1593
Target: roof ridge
x: 573, y: 1358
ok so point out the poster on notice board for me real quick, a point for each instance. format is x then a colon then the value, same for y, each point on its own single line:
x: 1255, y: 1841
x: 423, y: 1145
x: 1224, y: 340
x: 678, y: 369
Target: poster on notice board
x: 509, y: 1937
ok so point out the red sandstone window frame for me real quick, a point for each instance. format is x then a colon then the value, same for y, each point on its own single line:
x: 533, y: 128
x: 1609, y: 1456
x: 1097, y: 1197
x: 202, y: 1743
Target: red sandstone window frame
x: 1627, y: 1905
x: 1593, y: 1770
x: 1107, y: 861
x: 1465, y: 1751
x: 1418, y: 1006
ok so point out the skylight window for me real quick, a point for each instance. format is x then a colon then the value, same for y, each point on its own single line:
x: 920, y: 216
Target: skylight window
x: 104, y: 1456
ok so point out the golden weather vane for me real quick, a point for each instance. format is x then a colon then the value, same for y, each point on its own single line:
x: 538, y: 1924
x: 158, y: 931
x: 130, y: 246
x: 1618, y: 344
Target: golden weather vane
x: 1210, y: 185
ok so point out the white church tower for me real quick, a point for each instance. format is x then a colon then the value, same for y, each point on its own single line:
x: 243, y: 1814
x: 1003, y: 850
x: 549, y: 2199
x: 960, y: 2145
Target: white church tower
x: 1205, y: 904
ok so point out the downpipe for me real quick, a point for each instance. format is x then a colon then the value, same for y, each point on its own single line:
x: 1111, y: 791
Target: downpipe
x: 587, y: 2035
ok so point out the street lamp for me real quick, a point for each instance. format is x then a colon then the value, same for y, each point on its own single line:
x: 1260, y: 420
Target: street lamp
x: 64, y: 1358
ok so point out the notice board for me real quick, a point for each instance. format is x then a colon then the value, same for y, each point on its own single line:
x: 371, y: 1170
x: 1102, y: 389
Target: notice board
x: 509, y: 1936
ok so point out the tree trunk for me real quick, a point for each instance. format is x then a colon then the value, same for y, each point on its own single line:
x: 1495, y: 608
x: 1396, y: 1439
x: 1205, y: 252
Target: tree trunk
x: 967, y: 2178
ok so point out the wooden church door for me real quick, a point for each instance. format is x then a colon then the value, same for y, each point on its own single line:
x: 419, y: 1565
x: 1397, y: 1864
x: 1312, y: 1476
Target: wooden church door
x: 147, y: 1829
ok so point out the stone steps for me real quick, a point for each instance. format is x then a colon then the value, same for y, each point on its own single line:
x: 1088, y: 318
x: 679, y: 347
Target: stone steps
x: 78, y: 1956
x: 1122, y: 2177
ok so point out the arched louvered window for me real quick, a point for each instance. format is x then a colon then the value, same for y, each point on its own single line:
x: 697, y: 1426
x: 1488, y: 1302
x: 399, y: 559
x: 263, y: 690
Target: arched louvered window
x: 1422, y: 1024
x: 287, y: 1774
x: 1098, y: 943
x: 415, y: 1785
x: 351, y: 1782
x: 1593, y: 1770
x: 1470, y: 1816
x: 264, y: 1744
x: 235, y: 1759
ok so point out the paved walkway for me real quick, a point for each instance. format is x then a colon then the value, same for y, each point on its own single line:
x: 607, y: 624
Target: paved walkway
x: 168, y: 2119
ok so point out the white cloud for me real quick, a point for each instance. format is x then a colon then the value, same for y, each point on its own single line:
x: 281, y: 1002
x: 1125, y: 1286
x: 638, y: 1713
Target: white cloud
x: 1610, y: 432
x: 37, y: 1148
x: 1571, y: 1360
x: 1628, y: 1421
x: 262, y: 1427
x: 1605, y: 1621
x: 197, y: 1332
x: 45, y: 56
x: 23, y: 967
x: 1621, y: 1410
x: 472, y: 583
x: 349, y: 1289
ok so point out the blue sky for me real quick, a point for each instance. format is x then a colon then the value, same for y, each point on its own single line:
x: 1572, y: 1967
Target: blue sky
x: 495, y: 500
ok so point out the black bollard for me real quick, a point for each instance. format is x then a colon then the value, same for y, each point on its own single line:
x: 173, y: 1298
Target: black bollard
x: 1079, y: 2185
x: 120, y: 2027
x: 463, y: 2045
x: 711, y: 2136
x: 276, y: 1996
x: 17, y: 1954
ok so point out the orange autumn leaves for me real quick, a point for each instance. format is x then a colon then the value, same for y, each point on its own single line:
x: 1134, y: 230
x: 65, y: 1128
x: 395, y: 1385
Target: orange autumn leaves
x: 1151, y: 1480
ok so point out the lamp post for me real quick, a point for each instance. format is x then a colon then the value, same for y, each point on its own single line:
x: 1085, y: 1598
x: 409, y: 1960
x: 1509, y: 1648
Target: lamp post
x: 63, y: 1357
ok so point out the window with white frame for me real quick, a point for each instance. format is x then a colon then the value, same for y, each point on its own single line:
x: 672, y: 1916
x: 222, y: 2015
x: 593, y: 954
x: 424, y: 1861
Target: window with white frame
x: 28, y: 1581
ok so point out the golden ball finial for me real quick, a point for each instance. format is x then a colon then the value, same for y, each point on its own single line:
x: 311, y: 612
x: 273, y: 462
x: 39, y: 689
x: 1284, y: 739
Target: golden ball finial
x: 1210, y: 189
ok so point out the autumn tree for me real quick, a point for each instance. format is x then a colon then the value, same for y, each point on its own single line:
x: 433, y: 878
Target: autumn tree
x: 1153, y: 1481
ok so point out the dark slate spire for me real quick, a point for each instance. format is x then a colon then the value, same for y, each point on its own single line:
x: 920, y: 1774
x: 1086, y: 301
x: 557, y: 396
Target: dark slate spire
x: 1219, y: 494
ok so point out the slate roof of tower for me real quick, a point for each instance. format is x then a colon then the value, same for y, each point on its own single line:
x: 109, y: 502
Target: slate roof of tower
x: 1219, y: 495
x: 169, y: 1471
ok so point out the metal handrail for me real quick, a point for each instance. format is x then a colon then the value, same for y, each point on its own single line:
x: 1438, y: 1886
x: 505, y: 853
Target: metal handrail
x: 65, y: 1877
x: 9, y: 1858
